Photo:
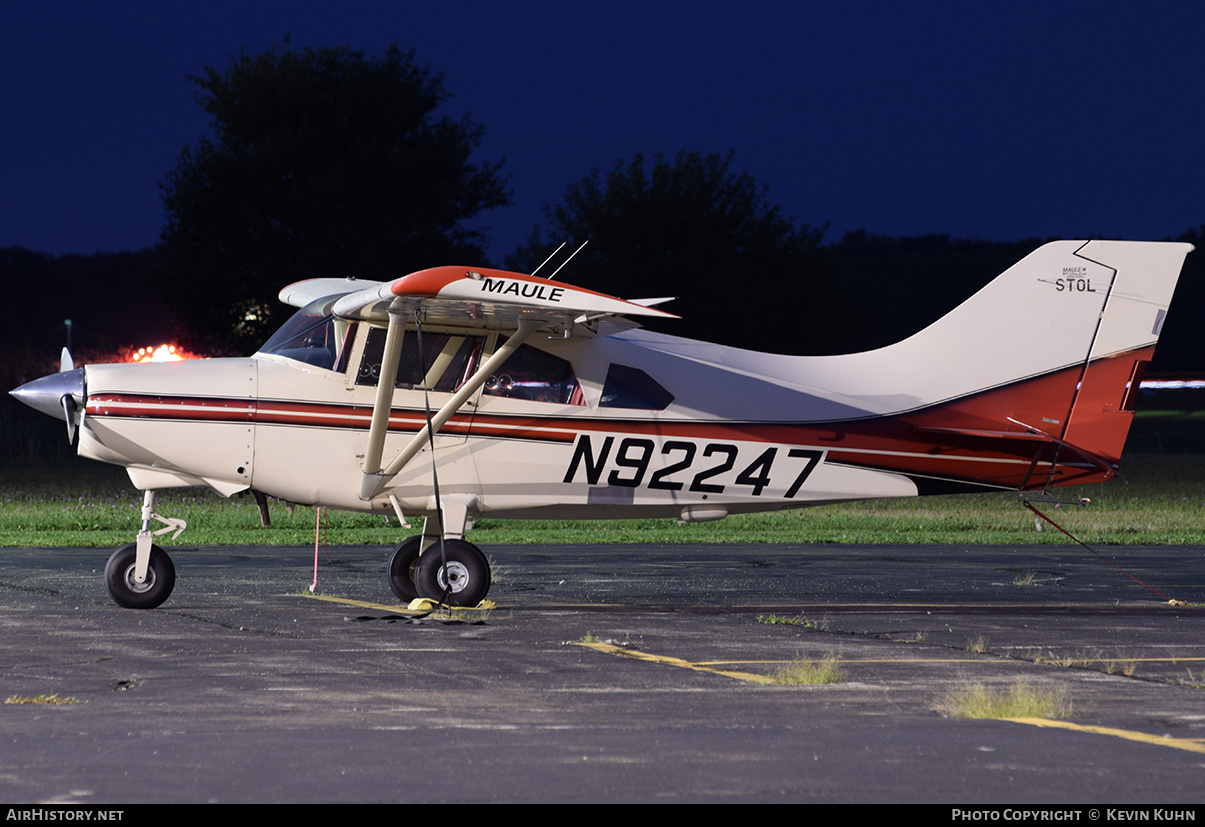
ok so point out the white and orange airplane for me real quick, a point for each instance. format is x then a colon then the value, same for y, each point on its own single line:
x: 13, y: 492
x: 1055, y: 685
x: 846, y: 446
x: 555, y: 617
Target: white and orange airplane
x: 456, y: 393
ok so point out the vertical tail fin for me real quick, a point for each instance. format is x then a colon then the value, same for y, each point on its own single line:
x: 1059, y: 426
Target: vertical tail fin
x: 1073, y: 327
x: 1042, y: 363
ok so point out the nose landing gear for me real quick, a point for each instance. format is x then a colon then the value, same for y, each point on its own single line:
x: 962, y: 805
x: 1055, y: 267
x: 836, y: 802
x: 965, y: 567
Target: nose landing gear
x: 141, y: 575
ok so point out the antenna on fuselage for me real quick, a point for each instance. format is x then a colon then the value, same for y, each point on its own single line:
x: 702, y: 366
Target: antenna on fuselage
x: 562, y: 267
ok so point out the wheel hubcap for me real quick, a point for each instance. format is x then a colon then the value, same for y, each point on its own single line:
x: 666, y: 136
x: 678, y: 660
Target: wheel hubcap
x: 456, y: 573
x: 136, y: 587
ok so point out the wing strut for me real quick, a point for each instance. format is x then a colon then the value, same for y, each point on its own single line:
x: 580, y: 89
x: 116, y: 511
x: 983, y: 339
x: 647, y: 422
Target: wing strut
x: 385, y: 383
x: 374, y: 479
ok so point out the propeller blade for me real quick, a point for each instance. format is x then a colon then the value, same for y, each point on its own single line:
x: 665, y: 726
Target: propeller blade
x: 69, y: 413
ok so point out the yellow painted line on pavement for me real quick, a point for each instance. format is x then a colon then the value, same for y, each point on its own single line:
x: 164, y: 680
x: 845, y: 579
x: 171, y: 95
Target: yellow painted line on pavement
x: 844, y: 659
x: 1190, y: 744
x: 619, y: 651
x: 986, y: 658
x: 1072, y: 660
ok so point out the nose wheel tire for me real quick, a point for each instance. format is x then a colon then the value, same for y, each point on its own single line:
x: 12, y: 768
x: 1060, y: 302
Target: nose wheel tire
x: 465, y: 578
x: 401, y: 569
x: 130, y: 594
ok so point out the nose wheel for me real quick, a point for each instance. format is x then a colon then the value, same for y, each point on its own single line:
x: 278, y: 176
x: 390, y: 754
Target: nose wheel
x: 145, y: 583
x: 123, y: 585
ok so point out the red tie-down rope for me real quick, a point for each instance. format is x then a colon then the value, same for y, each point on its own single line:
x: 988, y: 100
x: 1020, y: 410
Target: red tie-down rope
x: 1094, y: 551
x: 318, y: 512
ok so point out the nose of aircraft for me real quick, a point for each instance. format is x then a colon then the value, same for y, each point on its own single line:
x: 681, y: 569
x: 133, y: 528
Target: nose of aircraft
x: 46, y: 394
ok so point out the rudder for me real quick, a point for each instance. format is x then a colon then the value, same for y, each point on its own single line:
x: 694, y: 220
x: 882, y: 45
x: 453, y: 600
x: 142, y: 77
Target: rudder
x: 1144, y: 276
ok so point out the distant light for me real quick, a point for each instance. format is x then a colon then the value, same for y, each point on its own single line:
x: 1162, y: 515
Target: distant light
x: 1171, y: 384
x: 161, y: 353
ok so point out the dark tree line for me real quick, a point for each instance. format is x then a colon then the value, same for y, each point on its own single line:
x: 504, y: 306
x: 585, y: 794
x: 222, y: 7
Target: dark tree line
x: 880, y: 290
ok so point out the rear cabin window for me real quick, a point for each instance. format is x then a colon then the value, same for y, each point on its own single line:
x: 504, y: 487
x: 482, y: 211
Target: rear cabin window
x: 449, y: 359
x: 536, y: 376
x: 633, y: 388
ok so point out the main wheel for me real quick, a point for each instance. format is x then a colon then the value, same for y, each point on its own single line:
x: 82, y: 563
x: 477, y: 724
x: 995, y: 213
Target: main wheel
x: 465, y: 578
x: 401, y: 568
x: 130, y: 594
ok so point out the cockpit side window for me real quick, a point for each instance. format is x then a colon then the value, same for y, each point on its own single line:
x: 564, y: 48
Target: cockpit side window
x: 628, y: 387
x: 536, y: 376
x: 449, y: 359
x: 312, y: 336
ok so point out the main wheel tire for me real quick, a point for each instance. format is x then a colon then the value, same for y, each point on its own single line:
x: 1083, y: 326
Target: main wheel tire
x: 129, y: 594
x: 465, y: 579
x: 401, y: 568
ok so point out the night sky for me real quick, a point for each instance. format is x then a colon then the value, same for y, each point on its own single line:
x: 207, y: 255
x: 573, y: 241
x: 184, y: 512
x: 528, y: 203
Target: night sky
x: 998, y: 121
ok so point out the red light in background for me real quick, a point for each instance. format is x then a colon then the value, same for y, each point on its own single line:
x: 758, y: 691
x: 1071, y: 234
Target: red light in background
x: 160, y: 353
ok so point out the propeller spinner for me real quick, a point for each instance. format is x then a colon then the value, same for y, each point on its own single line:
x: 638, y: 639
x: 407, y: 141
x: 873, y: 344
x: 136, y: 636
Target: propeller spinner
x: 60, y: 395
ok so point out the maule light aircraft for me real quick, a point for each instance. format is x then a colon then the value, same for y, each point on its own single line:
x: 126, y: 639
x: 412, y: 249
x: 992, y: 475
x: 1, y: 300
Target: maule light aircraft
x: 455, y: 393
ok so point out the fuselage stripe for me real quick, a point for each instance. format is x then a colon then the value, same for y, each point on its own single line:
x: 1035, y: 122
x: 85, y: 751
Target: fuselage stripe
x: 565, y: 430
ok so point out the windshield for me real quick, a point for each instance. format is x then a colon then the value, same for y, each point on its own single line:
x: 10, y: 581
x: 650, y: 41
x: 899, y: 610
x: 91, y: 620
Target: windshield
x: 312, y: 336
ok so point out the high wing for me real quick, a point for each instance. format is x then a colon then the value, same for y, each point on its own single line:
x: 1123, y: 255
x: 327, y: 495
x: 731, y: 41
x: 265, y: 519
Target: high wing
x: 463, y: 296
x: 460, y: 296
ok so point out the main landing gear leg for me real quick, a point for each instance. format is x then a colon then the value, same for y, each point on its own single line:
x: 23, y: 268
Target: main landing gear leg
x: 453, y: 571
x: 141, y: 575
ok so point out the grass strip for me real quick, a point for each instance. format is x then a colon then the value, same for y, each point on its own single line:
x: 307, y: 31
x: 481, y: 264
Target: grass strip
x: 77, y: 502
